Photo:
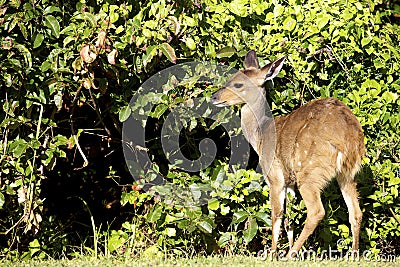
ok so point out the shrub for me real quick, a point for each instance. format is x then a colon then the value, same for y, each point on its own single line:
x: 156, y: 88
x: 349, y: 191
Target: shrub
x: 69, y: 69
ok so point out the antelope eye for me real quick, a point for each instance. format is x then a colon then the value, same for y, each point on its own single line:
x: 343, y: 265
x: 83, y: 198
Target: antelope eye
x: 238, y: 85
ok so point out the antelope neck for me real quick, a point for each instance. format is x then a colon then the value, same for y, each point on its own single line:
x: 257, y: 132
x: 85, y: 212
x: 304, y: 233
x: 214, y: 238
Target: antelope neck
x: 253, y: 118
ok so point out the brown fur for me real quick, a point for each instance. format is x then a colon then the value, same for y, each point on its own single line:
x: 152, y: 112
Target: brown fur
x: 321, y: 128
x: 314, y: 144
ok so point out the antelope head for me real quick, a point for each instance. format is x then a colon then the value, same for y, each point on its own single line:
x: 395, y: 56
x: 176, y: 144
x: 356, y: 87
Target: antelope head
x: 246, y: 86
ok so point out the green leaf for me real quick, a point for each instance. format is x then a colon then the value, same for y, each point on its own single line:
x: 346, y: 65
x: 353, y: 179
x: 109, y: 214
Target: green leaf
x: 58, y: 99
x: 225, y: 209
x: 88, y: 17
x: 114, y: 16
x: 169, y: 52
x: 193, y: 213
x: 115, y: 242
x: 51, y: 9
x: 68, y: 39
x: 2, y: 200
x: 159, y: 111
x: 264, y: 217
x: 251, y: 230
x: 12, y: 24
x: 38, y: 40
x: 239, y: 216
x: 170, y: 231
x: 322, y: 20
x: 344, y: 229
x: 45, y: 66
x: 124, y: 113
x: 224, y: 239
x: 368, y: 84
x: 347, y: 14
x: 23, y: 30
x: 51, y: 22
x: 239, y: 8
x: 151, y: 51
x: 61, y: 140
x: 278, y: 10
x: 213, y: 204
x: 155, y: 214
x: 394, y: 181
x: 389, y: 96
x: 119, y: 29
x: 152, y: 252
x: 365, y: 41
x: 289, y: 24
x: 205, y: 227
x: 370, y: 50
x: 18, y: 147
x: 226, y: 52
x: 183, y: 224
x: 190, y: 43
x: 27, y: 55
x: 34, y: 246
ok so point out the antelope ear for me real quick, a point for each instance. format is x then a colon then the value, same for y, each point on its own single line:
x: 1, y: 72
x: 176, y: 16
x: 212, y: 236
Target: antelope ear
x: 251, y: 60
x: 272, y: 69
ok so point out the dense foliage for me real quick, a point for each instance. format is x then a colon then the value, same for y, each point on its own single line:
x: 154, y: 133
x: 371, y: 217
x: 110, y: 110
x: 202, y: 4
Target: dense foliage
x: 68, y: 71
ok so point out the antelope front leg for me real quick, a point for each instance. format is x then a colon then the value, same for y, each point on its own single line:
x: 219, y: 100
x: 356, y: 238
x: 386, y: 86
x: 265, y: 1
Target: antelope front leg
x: 277, y: 198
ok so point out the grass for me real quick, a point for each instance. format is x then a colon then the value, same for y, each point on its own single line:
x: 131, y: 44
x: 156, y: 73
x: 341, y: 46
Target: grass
x: 209, y: 261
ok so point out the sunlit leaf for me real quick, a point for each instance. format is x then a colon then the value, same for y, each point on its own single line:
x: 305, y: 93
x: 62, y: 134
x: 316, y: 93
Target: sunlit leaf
x: 239, y: 216
x: 124, y: 113
x: 115, y: 242
x: 322, y: 20
x: 190, y: 43
x: 159, y: 111
x: 205, y: 227
x: 38, y: 40
x: 52, y: 23
x: 264, y: 217
x: 155, y: 214
x: 251, y: 231
x: 226, y: 52
x: 2, y: 200
x: 289, y: 24
x: 51, y: 9
x: 169, y: 52
x: 213, y: 204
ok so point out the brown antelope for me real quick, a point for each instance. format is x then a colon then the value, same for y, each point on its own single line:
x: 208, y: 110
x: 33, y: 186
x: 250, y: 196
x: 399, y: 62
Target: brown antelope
x: 312, y: 145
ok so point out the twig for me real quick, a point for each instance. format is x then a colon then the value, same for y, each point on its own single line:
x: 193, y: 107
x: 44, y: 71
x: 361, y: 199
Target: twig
x: 330, y: 53
x: 339, y: 61
x: 302, y: 94
x: 98, y: 112
x: 314, y: 97
x: 132, y: 145
x: 394, y: 215
x: 86, y: 162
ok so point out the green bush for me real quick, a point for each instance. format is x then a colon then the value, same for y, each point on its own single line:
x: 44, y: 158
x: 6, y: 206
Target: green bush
x: 68, y: 69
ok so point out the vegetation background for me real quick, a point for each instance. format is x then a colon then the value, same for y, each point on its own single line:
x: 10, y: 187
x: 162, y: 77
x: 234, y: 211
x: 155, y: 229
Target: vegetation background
x: 68, y: 70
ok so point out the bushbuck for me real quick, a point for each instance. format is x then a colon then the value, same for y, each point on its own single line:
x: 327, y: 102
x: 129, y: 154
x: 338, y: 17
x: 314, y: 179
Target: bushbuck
x: 312, y: 145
